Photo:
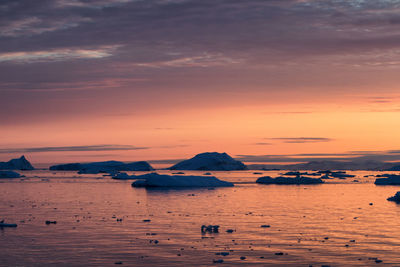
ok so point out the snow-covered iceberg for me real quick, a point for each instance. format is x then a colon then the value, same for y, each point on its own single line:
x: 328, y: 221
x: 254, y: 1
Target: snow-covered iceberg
x: 103, y: 167
x: 395, y: 198
x: 288, y: 180
x: 16, y: 164
x: 162, y: 180
x: 210, y: 161
x: 9, y: 174
x: 390, y: 179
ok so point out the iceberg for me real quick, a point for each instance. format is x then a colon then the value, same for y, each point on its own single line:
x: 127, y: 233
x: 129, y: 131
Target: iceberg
x: 124, y: 176
x: 3, y: 224
x: 161, y: 180
x: 390, y: 179
x: 210, y: 161
x: 17, y: 164
x: 287, y: 180
x: 9, y: 174
x: 341, y: 175
x: 103, y: 167
x: 395, y: 198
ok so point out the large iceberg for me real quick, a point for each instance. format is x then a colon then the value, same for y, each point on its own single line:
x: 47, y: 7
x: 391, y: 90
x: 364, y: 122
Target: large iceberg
x: 9, y: 174
x: 390, y: 179
x: 162, y: 180
x: 103, y: 167
x: 16, y: 164
x: 210, y: 161
x: 288, y: 180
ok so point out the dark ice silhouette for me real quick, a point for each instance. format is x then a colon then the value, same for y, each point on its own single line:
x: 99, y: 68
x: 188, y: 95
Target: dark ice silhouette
x: 388, y: 179
x: 395, y: 198
x: 103, y: 167
x: 288, y: 180
x: 9, y: 174
x: 210, y: 161
x: 16, y: 164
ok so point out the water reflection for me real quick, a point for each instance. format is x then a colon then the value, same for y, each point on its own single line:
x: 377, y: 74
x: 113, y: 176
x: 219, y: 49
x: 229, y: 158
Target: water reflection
x: 332, y: 224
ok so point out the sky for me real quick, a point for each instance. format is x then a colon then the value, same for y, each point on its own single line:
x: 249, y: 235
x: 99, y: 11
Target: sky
x: 161, y: 80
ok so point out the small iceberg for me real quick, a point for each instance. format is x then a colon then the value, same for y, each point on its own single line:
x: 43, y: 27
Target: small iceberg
x: 390, y: 179
x: 3, y: 224
x: 210, y: 161
x: 9, y: 174
x: 17, y: 164
x: 162, y: 180
x: 341, y: 175
x: 124, y: 176
x: 395, y: 198
x: 294, y: 173
x: 287, y: 180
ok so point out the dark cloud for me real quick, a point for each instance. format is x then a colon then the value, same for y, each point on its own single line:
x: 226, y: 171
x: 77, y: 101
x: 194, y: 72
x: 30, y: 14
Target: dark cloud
x: 385, y: 156
x: 299, y: 140
x: 72, y: 148
x: 134, y: 50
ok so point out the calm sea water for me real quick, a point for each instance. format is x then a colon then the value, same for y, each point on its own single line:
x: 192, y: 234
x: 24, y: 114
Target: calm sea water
x: 330, y: 224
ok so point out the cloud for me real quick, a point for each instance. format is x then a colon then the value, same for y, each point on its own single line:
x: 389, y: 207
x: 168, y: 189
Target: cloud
x: 71, y: 148
x: 57, y: 55
x: 300, y: 140
x: 44, y: 86
x: 262, y: 144
x: 204, y: 61
x: 385, y: 156
x: 190, y: 49
x: 289, y: 112
x: 34, y: 26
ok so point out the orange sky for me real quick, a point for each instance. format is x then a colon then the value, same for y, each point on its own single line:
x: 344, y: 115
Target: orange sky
x: 361, y: 125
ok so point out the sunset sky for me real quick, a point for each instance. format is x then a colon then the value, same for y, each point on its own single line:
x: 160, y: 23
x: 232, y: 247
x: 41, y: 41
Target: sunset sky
x: 263, y: 80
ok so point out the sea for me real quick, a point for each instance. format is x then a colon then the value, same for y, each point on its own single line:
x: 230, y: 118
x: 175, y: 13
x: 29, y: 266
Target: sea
x: 94, y: 220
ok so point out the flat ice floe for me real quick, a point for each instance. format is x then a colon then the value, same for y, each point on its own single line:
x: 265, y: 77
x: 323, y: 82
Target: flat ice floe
x: 289, y: 180
x: 162, y: 180
x: 124, y: 176
x: 9, y: 174
x: 388, y: 179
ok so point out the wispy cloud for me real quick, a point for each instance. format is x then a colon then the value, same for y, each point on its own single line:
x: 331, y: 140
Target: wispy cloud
x: 98, y: 84
x: 205, y: 60
x: 300, y: 140
x: 262, y: 144
x: 89, y: 4
x: 57, y: 54
x: 34, y: 25
x: 384, y: 156
x: 71, y: 148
